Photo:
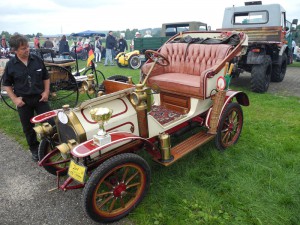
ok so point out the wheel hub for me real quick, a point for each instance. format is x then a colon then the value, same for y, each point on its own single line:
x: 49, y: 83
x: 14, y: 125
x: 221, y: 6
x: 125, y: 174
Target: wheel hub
x: 119, y: 190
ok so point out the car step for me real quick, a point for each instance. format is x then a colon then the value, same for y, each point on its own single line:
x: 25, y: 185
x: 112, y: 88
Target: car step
x: 187, y: 146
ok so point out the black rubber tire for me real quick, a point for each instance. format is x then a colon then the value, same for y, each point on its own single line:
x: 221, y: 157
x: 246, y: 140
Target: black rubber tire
x: 4, y: 97
x: 134, y: 62
x: 230, y: 126
x: 44, y: 148
x: 261, y: 75
x: 121, y: 180
x: 279, y: 70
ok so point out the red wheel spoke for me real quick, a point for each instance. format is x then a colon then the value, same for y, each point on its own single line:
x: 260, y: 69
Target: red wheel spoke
x: 109, y: 185
x: 122, y: 203
x: 130, y: 178
x: 132, y: 185
x: 125, y: 174
x: 104, y: 193
x: 106, y: 201
x: 226, y: 136
x: 112, y: 205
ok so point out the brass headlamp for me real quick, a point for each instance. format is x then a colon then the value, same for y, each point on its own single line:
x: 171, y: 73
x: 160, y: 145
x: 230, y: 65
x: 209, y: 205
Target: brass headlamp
x: 139, y: 97
x: 89, y: 84
x: 43, y: 130
x: 65, y: 148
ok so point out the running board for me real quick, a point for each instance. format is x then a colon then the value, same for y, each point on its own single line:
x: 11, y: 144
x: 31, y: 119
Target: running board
x: 187, y: 146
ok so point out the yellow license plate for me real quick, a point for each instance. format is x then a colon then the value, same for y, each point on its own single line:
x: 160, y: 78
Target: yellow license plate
x: 77, y: 172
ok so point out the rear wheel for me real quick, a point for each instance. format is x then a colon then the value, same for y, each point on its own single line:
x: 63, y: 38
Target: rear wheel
x: 116, y: 187
x: 135, y: 62
x: 63, y: 87
x: 279, y: 70
x: 55, y: 161
x: 261, y: 75
x: 230, y: 126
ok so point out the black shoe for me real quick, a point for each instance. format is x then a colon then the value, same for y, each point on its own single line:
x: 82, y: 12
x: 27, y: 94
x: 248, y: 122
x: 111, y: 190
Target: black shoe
x: 34, y: 154
x: 35, y: 157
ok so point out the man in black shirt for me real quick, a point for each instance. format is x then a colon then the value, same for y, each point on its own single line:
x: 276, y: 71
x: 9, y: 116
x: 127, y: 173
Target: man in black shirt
x: 27, y: 83
x: 110, y: 44
x: 122, y: 44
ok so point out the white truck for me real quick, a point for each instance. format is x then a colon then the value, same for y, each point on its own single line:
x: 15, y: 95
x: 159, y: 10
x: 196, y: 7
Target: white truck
x: 270, y: 37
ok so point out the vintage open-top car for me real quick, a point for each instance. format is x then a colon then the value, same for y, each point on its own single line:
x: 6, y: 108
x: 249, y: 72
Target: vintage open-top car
x: 183, y: 88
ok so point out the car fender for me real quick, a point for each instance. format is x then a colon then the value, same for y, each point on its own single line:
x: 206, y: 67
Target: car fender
x: 241, y: 98
x: 44, y: 116
x: 88, y: 148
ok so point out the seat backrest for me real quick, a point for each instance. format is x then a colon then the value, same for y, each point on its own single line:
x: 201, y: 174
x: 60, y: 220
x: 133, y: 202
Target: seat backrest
x: 193, y: 59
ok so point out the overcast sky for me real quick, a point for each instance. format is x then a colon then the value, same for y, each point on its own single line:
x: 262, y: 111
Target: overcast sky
x: 68, y: 16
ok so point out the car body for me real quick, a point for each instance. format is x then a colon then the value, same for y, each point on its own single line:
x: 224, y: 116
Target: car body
x: 96, y: 142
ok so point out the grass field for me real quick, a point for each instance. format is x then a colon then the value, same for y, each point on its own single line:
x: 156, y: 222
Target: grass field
x: 254, y: 182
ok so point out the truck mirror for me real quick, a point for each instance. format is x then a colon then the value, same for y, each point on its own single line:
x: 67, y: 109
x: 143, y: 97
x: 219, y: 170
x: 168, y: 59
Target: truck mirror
x: 295, y: 21
x: 286, y: 29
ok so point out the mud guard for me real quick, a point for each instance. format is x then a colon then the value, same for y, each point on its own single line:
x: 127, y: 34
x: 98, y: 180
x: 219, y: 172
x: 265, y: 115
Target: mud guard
x: 241, y: 98
x: 44, y: 116
x: 88, y: 147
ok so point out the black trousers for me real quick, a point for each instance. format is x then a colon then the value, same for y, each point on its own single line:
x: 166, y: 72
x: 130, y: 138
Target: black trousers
x: 26, y: 112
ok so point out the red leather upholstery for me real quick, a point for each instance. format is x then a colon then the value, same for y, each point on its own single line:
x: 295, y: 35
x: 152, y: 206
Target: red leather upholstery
x: 188, y: 67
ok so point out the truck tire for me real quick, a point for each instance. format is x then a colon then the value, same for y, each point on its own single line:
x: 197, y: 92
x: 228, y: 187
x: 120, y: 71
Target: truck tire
x: 279, y: 70
x: 261, y: 75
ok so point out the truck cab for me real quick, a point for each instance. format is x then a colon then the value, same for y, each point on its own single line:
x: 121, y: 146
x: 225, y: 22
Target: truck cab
x: 168, y: 30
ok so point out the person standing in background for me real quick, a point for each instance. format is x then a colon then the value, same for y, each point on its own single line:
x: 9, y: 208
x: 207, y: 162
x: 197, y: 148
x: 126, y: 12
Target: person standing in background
x: 63, y: 47
x: 122, y: 44
x: 36, y: 42
x: 98, y: 49
x: 48, y: 43
x: 26, y: 81
x: 110, y: 45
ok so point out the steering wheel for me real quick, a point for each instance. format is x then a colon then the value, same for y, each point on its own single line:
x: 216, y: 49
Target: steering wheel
x: 157, y: 57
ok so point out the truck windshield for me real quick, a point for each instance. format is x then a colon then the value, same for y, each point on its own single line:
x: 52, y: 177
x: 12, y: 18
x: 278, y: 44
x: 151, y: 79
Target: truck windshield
x: 251, y: 17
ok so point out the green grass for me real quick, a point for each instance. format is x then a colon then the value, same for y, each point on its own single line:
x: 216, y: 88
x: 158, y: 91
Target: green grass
x: 254, y: 182
x: 295, y: 64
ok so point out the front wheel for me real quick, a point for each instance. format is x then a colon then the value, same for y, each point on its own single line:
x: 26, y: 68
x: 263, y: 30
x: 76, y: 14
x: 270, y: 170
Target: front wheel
x: 261, y: 75
x: 54, y: 161
x: 116, y: 187
x: 230, y: 126
x: 135, y: 62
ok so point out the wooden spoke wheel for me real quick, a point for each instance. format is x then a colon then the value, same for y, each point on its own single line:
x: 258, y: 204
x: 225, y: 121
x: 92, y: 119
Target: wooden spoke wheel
x: 116, y: 187
x: 4, y: 97
x: 54, y: 161
x: 63, y: 87
x: 230, y: 126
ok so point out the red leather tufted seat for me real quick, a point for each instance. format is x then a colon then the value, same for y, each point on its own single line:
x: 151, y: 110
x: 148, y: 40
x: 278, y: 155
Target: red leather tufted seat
x: 188, y: 67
